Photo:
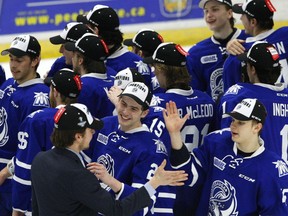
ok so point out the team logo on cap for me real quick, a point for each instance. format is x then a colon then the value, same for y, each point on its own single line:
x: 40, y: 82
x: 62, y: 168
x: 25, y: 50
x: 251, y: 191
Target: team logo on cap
x: 273, y: 52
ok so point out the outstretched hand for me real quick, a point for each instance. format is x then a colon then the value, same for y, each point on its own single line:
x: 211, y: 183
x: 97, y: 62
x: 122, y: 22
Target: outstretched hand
x: 165, y: 177
x: 172, y: 119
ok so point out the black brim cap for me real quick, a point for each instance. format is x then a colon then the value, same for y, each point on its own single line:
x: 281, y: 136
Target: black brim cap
x: 57, y: 40
x: 243, y: 57
x: 82, y: 18
x: 148, y: 60
x: 13, y: 51
x: 48, y: 80
x: 70, y: 46
x: 238, y: 116
x: 128, y: 42
x: 237, y: 8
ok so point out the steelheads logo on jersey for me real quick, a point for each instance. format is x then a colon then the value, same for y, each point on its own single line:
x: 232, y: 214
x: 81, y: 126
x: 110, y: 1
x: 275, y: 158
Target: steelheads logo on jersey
x: 175, y: 8
x: 223, y: 199
x: 3, y: 127
x: 282, y: 168
x: 41, y: 99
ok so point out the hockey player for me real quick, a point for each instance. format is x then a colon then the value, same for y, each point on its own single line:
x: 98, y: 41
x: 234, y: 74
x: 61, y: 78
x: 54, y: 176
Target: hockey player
x: 263, y: 68
x: 89, y: 53
x: 144, y: 43
x: 257, y: 19
x: 206, y: 58
x: 71, y: 33
x: 61, y: 184
x: 104, y: 21
x: 238, y: 174
x: 34, y: 135
x: 20, y: 95
x: 129, y: 151
x: 169, y: 61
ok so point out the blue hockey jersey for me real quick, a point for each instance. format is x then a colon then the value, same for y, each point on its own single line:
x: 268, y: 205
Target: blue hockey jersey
x: 132, y: 158
x: 123, y: 58
x: 205, y: 64
x: 232, y: 66
x: 275, y: 99
x: 16, y: 102
x: 236, y: 185
x: 201, y: 120
x: 94, y: 94
x: 201, y: 108
x: 33, y: 137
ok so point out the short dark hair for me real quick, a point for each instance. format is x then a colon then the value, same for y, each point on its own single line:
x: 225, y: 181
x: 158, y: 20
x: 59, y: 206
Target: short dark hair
x: 263, y: 24
x: 64, y: 138
x: 268, y: 76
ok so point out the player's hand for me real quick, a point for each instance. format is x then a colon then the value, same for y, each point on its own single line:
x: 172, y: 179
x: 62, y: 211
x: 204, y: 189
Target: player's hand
x: 4, y: 174
x: 113, y: 94
x: 235, y: 47
x: 166, y: 177
x: 99, y: 171
x: 172, y: 119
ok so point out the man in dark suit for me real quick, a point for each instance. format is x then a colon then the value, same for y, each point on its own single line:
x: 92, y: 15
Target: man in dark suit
x: 63, y: 186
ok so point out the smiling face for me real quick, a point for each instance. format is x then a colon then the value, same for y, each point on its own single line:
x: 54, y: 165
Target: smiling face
x: 23, y: 68
x: 130, y: 113
x: 217, y: 16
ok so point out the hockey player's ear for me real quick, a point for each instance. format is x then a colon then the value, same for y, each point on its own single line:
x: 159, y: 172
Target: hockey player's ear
x: 144, y: 113
x: 257, y: 127
x: 35, y: 61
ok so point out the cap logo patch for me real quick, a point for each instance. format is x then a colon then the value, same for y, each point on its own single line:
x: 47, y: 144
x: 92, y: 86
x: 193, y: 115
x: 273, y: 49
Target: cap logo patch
x: 78, y: 82
x: 105, y: 46
x: 81, y: 122
x: 134, y: 89
x: 181, y: 50
x: 270, y: 6
x: 273, y: 53
x: 59, y: 114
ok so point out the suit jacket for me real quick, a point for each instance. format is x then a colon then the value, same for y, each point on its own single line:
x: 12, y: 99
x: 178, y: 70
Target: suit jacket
x: 62, y: 186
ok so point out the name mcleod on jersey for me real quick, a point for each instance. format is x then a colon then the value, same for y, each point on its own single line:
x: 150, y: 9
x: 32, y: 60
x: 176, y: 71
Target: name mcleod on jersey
x: 197, y: 111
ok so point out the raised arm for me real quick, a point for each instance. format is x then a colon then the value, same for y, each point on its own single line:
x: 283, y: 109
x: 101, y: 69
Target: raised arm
x: 162, y: 177
x: 174, y: 124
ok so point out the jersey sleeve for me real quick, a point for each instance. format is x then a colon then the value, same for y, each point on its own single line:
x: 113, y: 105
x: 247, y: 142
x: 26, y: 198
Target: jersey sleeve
x: 274, y: 185
x: 231, y: 72
x: 30, y: 137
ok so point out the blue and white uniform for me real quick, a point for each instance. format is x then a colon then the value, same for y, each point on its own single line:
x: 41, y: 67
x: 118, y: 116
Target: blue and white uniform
x: 232, y: 67
x: 33, y: 137
x: 205, y: 64
x: 16, y: 102
x: 132, y: 157
x: 275, y: 99
x: 93, y: 94
x: 233, y: 184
